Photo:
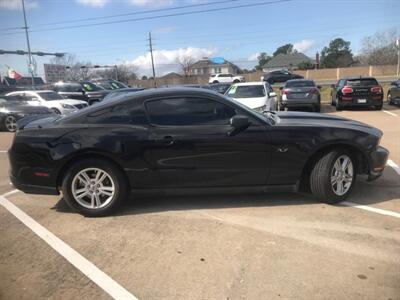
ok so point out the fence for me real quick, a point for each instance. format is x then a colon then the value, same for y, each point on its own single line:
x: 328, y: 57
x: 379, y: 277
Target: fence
x: 317, y: 75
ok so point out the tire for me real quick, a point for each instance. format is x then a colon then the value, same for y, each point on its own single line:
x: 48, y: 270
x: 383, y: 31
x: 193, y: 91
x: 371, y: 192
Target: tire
x: 110, y: 192
x: 378, y: 107
x: 389, y: 99
x: 338, y: 107
x: 10, y: 123
x: 236, y: 81
x: 317, y: 108
x: 215, y: 81
x: 56, y: 111
x: 325, y: 169
x: 281, y: 107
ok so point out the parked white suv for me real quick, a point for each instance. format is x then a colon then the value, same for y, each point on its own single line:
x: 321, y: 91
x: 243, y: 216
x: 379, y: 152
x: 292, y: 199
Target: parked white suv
x: 256, y: 95
x: 225, y: 78
x: 50, y: 99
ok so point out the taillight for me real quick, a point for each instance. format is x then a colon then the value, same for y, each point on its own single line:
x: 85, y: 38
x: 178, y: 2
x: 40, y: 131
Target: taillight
x: 313, y: 91
x: 285, y: 92
x: 376, y: 89
x: 347, y: 90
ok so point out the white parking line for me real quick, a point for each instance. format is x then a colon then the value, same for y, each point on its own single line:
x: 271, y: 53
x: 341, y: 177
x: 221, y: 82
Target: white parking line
x: 371, y: 209
x: 78, y: 261
x: 389, y: 113
x: 3, y: 151
x: 394, y: 166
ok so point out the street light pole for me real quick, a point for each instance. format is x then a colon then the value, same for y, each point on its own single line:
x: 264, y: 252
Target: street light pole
x: 29, y: 46
x: 398, y: 56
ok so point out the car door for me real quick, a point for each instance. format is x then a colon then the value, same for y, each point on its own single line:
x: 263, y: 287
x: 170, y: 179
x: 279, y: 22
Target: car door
x: 395, y: 90
x: 192, y: 147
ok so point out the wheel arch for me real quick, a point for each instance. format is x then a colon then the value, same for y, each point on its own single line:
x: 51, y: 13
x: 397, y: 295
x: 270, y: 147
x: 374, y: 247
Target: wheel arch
x: 360, y: 157
x: 87, y: 155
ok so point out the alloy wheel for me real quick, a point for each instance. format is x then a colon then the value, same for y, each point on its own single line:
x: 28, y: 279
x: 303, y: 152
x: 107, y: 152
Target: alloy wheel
x: 93, y: 188
x: 11, y: 123
x: 342, y: 175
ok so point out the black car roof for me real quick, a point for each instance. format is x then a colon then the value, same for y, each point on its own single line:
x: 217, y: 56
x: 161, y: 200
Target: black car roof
x: 357, y: 77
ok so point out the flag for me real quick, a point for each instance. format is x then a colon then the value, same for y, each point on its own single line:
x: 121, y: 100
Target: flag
x: 14, y: 74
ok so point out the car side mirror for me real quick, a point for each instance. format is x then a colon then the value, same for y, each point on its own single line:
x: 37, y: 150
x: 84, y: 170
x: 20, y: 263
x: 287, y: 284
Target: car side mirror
x: 238, y: 124
x: 393, y: 83
x: 272, y: 94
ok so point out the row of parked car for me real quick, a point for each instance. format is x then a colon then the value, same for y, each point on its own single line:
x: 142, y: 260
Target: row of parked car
x: 69, y: 97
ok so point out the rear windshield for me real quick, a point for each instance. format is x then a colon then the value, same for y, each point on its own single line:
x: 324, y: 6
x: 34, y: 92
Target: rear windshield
x: 302, y: 83
x: 246, y: 91
x: 362, y: 82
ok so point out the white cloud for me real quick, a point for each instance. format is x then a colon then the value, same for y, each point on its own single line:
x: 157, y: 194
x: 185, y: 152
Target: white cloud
x: 253, y: 56
x: 151, y: 3
x: 94, y: 3
x: 168, y: 60
x: 303, y: 45
x: 17, y: 4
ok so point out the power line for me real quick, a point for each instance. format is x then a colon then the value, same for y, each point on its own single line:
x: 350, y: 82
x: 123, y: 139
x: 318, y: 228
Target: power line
x: 161, y: 16
x: 137, y: 13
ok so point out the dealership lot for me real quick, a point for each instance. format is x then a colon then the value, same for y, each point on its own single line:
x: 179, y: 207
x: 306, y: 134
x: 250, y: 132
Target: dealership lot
x: 274, y: 246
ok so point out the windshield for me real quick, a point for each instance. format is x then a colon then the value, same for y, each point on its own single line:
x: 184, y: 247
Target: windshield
x: 50, y: 96
x: 300, y: 83
x: 362, y: 82
x: 90, y: 87
x: 246, y: 91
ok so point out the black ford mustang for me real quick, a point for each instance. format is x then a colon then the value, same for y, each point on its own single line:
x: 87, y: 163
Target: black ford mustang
x: 188, y: 138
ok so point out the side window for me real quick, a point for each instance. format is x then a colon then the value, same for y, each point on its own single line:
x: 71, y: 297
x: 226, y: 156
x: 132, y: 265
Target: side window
x: 189, y: 111
x: 341, y: 82
x: 123, y: 114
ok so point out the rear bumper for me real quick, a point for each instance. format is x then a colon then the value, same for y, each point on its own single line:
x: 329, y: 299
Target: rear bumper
x: 378, y: 159
x: 33, y: 189
x: 354, y: 102
x: 300, y: 103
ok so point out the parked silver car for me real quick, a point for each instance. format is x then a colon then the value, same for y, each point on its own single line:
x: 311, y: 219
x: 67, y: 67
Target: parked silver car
x: 300, y: 93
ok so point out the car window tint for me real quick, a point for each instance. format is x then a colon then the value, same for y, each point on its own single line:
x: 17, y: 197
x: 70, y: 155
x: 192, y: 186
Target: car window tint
x: 119, y: 114
x: 300, y: 83
x: 362, y: 82
x: 189, y: 111
x: 246, y: 91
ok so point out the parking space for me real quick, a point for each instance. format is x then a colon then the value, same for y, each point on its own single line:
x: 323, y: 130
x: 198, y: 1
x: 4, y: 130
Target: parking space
x: 275, y: 246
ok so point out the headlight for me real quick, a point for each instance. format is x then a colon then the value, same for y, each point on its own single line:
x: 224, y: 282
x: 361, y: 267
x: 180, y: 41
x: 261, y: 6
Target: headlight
x: 260, y: 109
x: 4, y: 110
x: 67, y: 106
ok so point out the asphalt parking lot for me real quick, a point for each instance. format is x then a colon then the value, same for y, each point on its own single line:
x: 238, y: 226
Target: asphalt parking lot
x: 275, y: 246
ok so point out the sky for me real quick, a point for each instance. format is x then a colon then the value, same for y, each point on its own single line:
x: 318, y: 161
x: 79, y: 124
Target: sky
x: 237, y: 34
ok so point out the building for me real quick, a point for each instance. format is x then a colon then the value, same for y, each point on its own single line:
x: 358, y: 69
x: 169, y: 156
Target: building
x: 207, y: 66
x: 287, y: 61
x: 172, y: 78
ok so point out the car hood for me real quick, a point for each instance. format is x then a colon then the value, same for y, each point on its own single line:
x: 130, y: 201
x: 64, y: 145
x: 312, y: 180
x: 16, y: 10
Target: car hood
x: 24, y: 109
x: 324, y: 120
x: 252, y: 102
x: 68, y: 101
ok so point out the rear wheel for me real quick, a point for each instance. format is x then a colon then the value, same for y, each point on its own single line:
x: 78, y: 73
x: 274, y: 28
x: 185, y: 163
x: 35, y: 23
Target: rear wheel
x: 317, y: 108
x: 215, y: 81
x: 338, y: 107
x: 94, y: 187
x: 10, y: 123
x: 236, y: 81
x: 378, y: 107
x: 333, y: 176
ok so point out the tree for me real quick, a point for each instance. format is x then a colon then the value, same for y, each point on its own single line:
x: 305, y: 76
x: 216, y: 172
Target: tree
x: 263, y: 58
x: 186, y: 63
x: 285, y: 49
x: 76, y: 70
x: 380, y: 48
x: 144, y: 77
x: 338, y: 54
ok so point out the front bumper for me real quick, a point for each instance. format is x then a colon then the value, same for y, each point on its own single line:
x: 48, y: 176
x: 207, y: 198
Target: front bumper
x: 378, y: 159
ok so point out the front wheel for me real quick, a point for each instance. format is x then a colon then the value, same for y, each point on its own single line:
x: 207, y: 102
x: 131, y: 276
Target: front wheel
x: 94, y: 187
x: 333, y: 176
x: 10, y: 123
x: 236, y: 81
x: 389, y: 99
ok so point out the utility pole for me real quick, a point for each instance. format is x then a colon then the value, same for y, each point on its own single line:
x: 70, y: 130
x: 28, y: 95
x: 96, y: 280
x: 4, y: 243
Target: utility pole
x: 398, y: 56
x: 152, y: 60
x: 29, y: 46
